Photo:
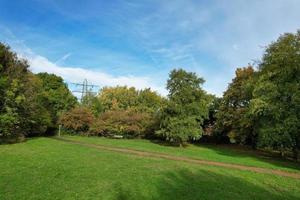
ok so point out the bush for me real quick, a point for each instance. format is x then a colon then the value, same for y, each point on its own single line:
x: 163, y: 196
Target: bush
x: 78, y: 119
x: 128, y: 123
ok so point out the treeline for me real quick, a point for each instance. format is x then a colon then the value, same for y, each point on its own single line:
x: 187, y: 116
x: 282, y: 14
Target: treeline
x: 260, y: 108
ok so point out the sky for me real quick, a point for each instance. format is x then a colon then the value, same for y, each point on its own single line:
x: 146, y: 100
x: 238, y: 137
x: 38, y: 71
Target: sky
x: 138, y: 42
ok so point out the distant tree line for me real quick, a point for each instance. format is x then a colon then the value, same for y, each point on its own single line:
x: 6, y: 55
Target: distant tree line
x: 260, y: 108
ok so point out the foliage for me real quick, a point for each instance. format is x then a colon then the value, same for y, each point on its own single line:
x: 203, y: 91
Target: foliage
x: 124, y: 111
x: 29, y: 104
x: 128, y: 123
x: 122, y: 98
x: 233, y: 119
x: 92, y: 102
x: 118, y: 98
x: 77, y: 120
x: 21, y: 112
x: 210, y: 122
x: 55, y: 97
x: 182, y: 117
x: 276, y: 102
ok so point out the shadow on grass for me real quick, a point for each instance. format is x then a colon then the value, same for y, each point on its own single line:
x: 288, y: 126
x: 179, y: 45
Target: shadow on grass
x: 164, y: 143
x: 244, y: 152
x: 186, y: 184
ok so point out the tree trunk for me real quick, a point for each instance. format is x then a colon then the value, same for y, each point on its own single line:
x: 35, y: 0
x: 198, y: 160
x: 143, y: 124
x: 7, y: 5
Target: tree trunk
x: 295, y: 153
x: 282, y: 153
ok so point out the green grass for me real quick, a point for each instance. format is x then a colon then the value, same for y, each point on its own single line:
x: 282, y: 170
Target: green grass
x: 219, y: 153
x: 45, y: 168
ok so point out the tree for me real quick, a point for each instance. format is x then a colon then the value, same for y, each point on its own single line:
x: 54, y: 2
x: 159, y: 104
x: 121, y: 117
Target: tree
x: 78, y: 120
x: 213, y: 109
x: 276, y: 101
x: 149, y: 101
x: 11, y: 71
x: 21, y: 113
x: 233, y: 119
x: 118, y: 98
x: 55, y: 97
x: 92, y: 102
x: 184, y: 114
x: 128, y: 123
x: 123, y: 98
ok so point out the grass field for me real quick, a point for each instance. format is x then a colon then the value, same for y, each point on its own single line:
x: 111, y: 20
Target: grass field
x: 44, y: 168
x: 207, y: 152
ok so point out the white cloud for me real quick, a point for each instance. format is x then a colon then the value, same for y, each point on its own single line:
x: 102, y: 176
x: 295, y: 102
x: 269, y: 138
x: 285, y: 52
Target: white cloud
x: 75, y: 74
x: 212, y: 38
x: 71, y: 74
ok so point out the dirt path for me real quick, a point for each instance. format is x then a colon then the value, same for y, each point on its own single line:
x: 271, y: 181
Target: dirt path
x: 188, y: 160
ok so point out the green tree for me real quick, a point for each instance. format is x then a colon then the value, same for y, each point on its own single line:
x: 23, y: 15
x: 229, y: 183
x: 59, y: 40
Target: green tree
x: 186, y: 110
x: 92, y: 102
x: 276, y: 103
x: 233, y: 118
x: 149, y: 101
x: 213, y: 109
x: 55, y: 97
x: 21, y: 112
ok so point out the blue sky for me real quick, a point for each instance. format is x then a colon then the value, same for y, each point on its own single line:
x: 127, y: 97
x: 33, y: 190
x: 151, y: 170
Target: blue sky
x: 137, y: 43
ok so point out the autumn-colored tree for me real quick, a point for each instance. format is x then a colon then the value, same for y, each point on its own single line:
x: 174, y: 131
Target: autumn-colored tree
x: 77, y: 120
x: 128, y: 123
x: 118, y: 98
x: 123, y: 98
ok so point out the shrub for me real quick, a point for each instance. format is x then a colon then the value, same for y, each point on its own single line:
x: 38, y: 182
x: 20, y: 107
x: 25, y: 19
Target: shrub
x: 78, y: 119
x: 128, y: 123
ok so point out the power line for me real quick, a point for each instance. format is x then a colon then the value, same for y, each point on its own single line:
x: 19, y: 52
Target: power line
x: 86, y: 89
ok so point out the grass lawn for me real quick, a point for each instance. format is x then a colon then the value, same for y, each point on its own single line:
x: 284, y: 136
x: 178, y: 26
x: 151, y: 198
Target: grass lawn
x: 44, y: 168
x: 219, y: 153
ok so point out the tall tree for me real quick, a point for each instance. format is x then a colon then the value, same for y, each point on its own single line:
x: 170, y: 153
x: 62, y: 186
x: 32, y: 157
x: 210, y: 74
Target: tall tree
x: 20, y: 110
x: 55, y: 97
x: 186, y: 109
x: 276, y: 103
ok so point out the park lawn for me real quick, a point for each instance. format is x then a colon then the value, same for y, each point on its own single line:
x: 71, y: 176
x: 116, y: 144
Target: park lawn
x: 218, y: 153
x: 45, y: 168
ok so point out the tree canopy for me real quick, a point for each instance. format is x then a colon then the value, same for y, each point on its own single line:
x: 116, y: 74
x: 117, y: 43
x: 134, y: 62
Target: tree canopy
x: 232, y: 118
x: 261, y: 106
x: 23, y: 109
x: 276, y: 96
x: 182, y: 117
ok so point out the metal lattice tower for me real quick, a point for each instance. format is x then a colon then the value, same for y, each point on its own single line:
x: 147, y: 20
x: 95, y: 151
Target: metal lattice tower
x: 86, y: 89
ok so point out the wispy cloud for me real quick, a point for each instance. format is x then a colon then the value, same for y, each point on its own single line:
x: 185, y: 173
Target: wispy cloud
x: 71, y: 74
x: 146, y: 39
x: 63, y: 58
x: 39, y: 63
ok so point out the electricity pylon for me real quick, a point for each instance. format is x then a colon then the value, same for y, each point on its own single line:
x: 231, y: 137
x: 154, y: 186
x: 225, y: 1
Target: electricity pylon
x: 86, y: 89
